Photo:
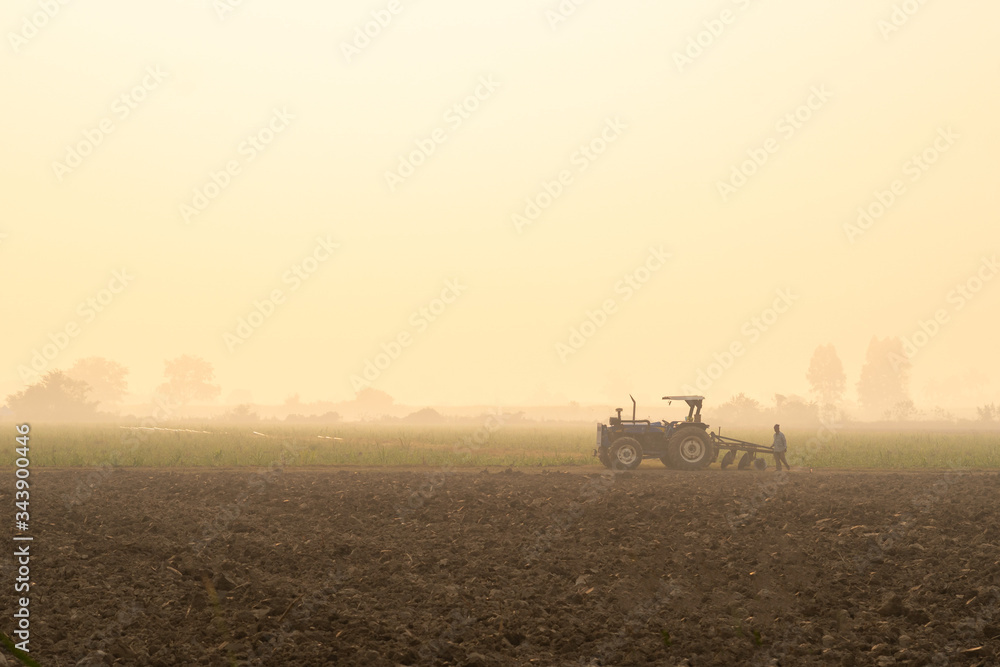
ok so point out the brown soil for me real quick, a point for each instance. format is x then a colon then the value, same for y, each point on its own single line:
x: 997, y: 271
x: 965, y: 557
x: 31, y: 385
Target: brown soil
x: 431, y: 567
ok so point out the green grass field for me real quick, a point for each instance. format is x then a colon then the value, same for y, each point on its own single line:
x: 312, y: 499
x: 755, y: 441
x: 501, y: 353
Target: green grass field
x: 361, y: 444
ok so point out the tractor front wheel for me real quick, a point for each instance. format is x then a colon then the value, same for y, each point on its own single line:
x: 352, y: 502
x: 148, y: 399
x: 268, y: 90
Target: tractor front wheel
x: 691, y: 449
x: 604, y: 456
x: 626, y: 454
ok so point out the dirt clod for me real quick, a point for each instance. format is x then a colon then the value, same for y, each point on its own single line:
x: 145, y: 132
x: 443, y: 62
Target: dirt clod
x: 893, y: 606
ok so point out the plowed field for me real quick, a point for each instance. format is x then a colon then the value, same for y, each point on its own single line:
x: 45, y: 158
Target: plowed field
x: 425, y: 567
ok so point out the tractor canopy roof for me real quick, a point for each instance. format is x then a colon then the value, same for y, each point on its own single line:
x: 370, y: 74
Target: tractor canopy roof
x: 683, y: 398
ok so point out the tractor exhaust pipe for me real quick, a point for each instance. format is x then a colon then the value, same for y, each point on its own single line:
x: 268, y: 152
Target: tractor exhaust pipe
x: 633, y: 407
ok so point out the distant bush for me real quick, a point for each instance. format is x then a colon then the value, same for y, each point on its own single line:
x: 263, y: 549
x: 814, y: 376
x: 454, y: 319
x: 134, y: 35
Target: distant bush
x: 241, y: 414
x: 325, y: 418
x: 425, y: 416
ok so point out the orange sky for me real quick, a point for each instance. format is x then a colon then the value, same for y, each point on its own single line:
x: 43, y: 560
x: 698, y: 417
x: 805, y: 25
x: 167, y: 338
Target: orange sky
x: 500, y: 203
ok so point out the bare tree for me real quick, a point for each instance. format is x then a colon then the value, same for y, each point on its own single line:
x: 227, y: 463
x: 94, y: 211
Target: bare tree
x: 107, y: 379
x: 885, y: 376
x: 189, y: 378
x: 826, y: 375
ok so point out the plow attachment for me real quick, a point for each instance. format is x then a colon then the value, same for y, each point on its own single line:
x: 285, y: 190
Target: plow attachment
x: 750, y: 451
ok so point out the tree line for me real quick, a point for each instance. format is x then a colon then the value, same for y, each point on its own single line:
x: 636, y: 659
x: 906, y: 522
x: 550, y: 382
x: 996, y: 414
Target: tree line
x: 883, y: 390
x: 95, y: 386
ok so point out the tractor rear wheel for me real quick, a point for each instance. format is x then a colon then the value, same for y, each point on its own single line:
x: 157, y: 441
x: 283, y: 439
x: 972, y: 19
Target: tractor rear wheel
x: 626, y: 454
x: 691, y: 449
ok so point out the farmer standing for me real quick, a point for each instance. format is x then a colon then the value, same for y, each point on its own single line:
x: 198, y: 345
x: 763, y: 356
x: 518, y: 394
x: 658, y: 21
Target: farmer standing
x: 780, y: 446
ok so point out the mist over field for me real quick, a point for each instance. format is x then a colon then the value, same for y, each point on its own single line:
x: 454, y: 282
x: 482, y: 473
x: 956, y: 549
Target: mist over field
x: 535, y: 206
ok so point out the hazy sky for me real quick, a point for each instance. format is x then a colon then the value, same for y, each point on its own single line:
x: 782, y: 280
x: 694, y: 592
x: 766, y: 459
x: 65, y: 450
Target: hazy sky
x: 177, y: 162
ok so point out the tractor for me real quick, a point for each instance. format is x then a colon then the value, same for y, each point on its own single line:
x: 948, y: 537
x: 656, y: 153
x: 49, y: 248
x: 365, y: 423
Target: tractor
x: 622, y: 444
